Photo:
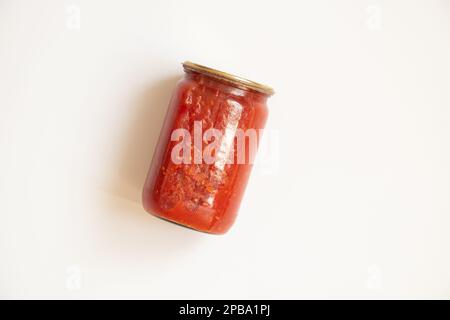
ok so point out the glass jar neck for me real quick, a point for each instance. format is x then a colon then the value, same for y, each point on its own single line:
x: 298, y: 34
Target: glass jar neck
x: 224, y: 86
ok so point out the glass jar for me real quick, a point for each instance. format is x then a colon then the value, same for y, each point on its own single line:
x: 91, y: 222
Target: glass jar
x: 206, y: 149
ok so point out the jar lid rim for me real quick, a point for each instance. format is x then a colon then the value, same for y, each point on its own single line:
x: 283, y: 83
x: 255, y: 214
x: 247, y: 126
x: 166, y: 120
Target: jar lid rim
x: 239, y: 81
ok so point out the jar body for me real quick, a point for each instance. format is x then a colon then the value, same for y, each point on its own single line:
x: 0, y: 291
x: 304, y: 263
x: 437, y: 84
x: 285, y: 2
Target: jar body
x: 204, y: 155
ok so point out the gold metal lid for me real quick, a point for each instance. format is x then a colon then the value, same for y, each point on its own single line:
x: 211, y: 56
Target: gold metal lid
x: 237, y: 81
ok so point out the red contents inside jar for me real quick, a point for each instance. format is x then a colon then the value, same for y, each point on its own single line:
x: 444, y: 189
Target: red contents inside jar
x: 203, y: 159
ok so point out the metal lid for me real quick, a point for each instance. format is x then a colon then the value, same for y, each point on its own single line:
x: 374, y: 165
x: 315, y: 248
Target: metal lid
x: 238, y: 81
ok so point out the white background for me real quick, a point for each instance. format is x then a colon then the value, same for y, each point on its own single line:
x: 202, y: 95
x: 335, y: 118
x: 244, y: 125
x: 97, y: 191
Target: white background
x: 357, y: 206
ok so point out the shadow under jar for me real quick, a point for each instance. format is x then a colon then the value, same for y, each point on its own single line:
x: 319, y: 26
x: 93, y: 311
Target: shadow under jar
x: 206, y: 149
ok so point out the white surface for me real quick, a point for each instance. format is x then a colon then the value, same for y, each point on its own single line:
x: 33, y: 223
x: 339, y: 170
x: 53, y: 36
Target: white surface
x: 359, y: 206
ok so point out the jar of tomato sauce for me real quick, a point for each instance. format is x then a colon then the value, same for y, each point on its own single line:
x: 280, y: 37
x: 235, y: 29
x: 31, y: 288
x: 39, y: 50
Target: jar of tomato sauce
x: 206, y: 149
